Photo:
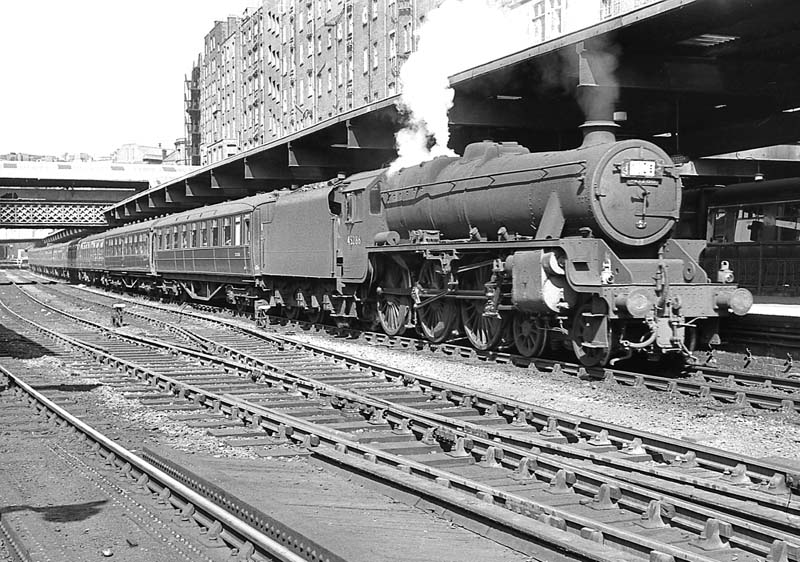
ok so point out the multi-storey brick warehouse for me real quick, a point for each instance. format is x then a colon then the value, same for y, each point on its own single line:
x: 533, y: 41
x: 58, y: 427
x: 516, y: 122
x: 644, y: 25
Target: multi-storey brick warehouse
x: 288, y: 64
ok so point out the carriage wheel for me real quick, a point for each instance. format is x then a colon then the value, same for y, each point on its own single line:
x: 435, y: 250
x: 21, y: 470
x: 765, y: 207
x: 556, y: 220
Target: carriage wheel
x: 584, y: 327
x: 483, y: 332
x: 437, y: 319
x: 393, y: 310
x: 530, y: 334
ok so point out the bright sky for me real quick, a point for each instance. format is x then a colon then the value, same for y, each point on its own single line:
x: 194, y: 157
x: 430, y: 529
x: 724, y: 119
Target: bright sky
x: 92, y: 75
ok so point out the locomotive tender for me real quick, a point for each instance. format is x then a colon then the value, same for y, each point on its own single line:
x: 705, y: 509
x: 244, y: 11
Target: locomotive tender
x: 542, y: 250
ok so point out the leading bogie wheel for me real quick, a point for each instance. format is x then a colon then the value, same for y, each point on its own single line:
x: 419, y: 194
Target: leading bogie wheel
x: 585, y: 325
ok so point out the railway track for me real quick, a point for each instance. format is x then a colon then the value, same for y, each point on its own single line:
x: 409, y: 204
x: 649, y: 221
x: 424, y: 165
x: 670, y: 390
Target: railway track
x: 771, y: 391
x: 191, y: 497
x: 407, y: 425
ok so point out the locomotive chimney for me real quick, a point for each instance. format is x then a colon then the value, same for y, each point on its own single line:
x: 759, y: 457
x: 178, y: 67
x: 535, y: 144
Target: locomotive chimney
x: 596, y: 99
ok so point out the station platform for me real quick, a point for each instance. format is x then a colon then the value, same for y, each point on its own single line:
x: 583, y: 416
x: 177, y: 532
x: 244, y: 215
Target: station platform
x: 771, y: 309
x: 776, y: 306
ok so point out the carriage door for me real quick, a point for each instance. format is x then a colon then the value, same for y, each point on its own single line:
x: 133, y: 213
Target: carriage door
x: 152, y: 253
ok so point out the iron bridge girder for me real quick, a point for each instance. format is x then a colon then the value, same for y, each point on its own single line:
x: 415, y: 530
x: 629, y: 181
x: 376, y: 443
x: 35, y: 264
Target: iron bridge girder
x: 51, y: 215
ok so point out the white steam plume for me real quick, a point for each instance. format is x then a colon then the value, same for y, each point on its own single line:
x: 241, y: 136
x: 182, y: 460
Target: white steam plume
x: 456, y: 36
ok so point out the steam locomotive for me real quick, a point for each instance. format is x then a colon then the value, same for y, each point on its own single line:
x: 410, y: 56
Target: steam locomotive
x: 501, y: 246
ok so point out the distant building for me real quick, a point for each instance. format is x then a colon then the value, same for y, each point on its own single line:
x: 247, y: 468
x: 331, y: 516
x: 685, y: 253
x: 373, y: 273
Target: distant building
x: 142, y: 154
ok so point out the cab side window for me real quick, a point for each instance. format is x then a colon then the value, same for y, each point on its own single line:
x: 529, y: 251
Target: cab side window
x: 352, y: 206
x: 375, y: 199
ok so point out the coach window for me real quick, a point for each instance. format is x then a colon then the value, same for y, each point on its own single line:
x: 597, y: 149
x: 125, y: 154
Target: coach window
x: 214, y: 233
x: 226, y: 231
x: 184, y: 237
x: 175, y: 238
x: 193, y: 237
x: 237, y: 231
x: 204, y: 234
x: 246, y: 230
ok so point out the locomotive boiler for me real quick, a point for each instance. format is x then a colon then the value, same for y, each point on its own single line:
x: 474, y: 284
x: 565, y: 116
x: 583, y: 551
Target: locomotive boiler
x: 568, y: 247
x: 503, y: 247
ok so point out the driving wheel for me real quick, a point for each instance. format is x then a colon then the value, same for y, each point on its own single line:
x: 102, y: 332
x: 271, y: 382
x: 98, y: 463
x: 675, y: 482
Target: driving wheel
x: 393, y: 309
x: 483, y: 332
x: 437, y: 318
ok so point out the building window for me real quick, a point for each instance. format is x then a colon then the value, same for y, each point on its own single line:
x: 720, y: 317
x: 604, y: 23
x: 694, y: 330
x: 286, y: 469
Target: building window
x: 330, y: 37
x: 330, y: 79
x: 339, y: 31
x: 392, y: 45
x: 366, y: 60
x: 364, y: 15
x: 375, y: 55
x: 339, y: 74
x: 374, y: 9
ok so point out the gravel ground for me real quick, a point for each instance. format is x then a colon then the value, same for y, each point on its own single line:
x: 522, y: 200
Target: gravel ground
x: 746, y: 431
